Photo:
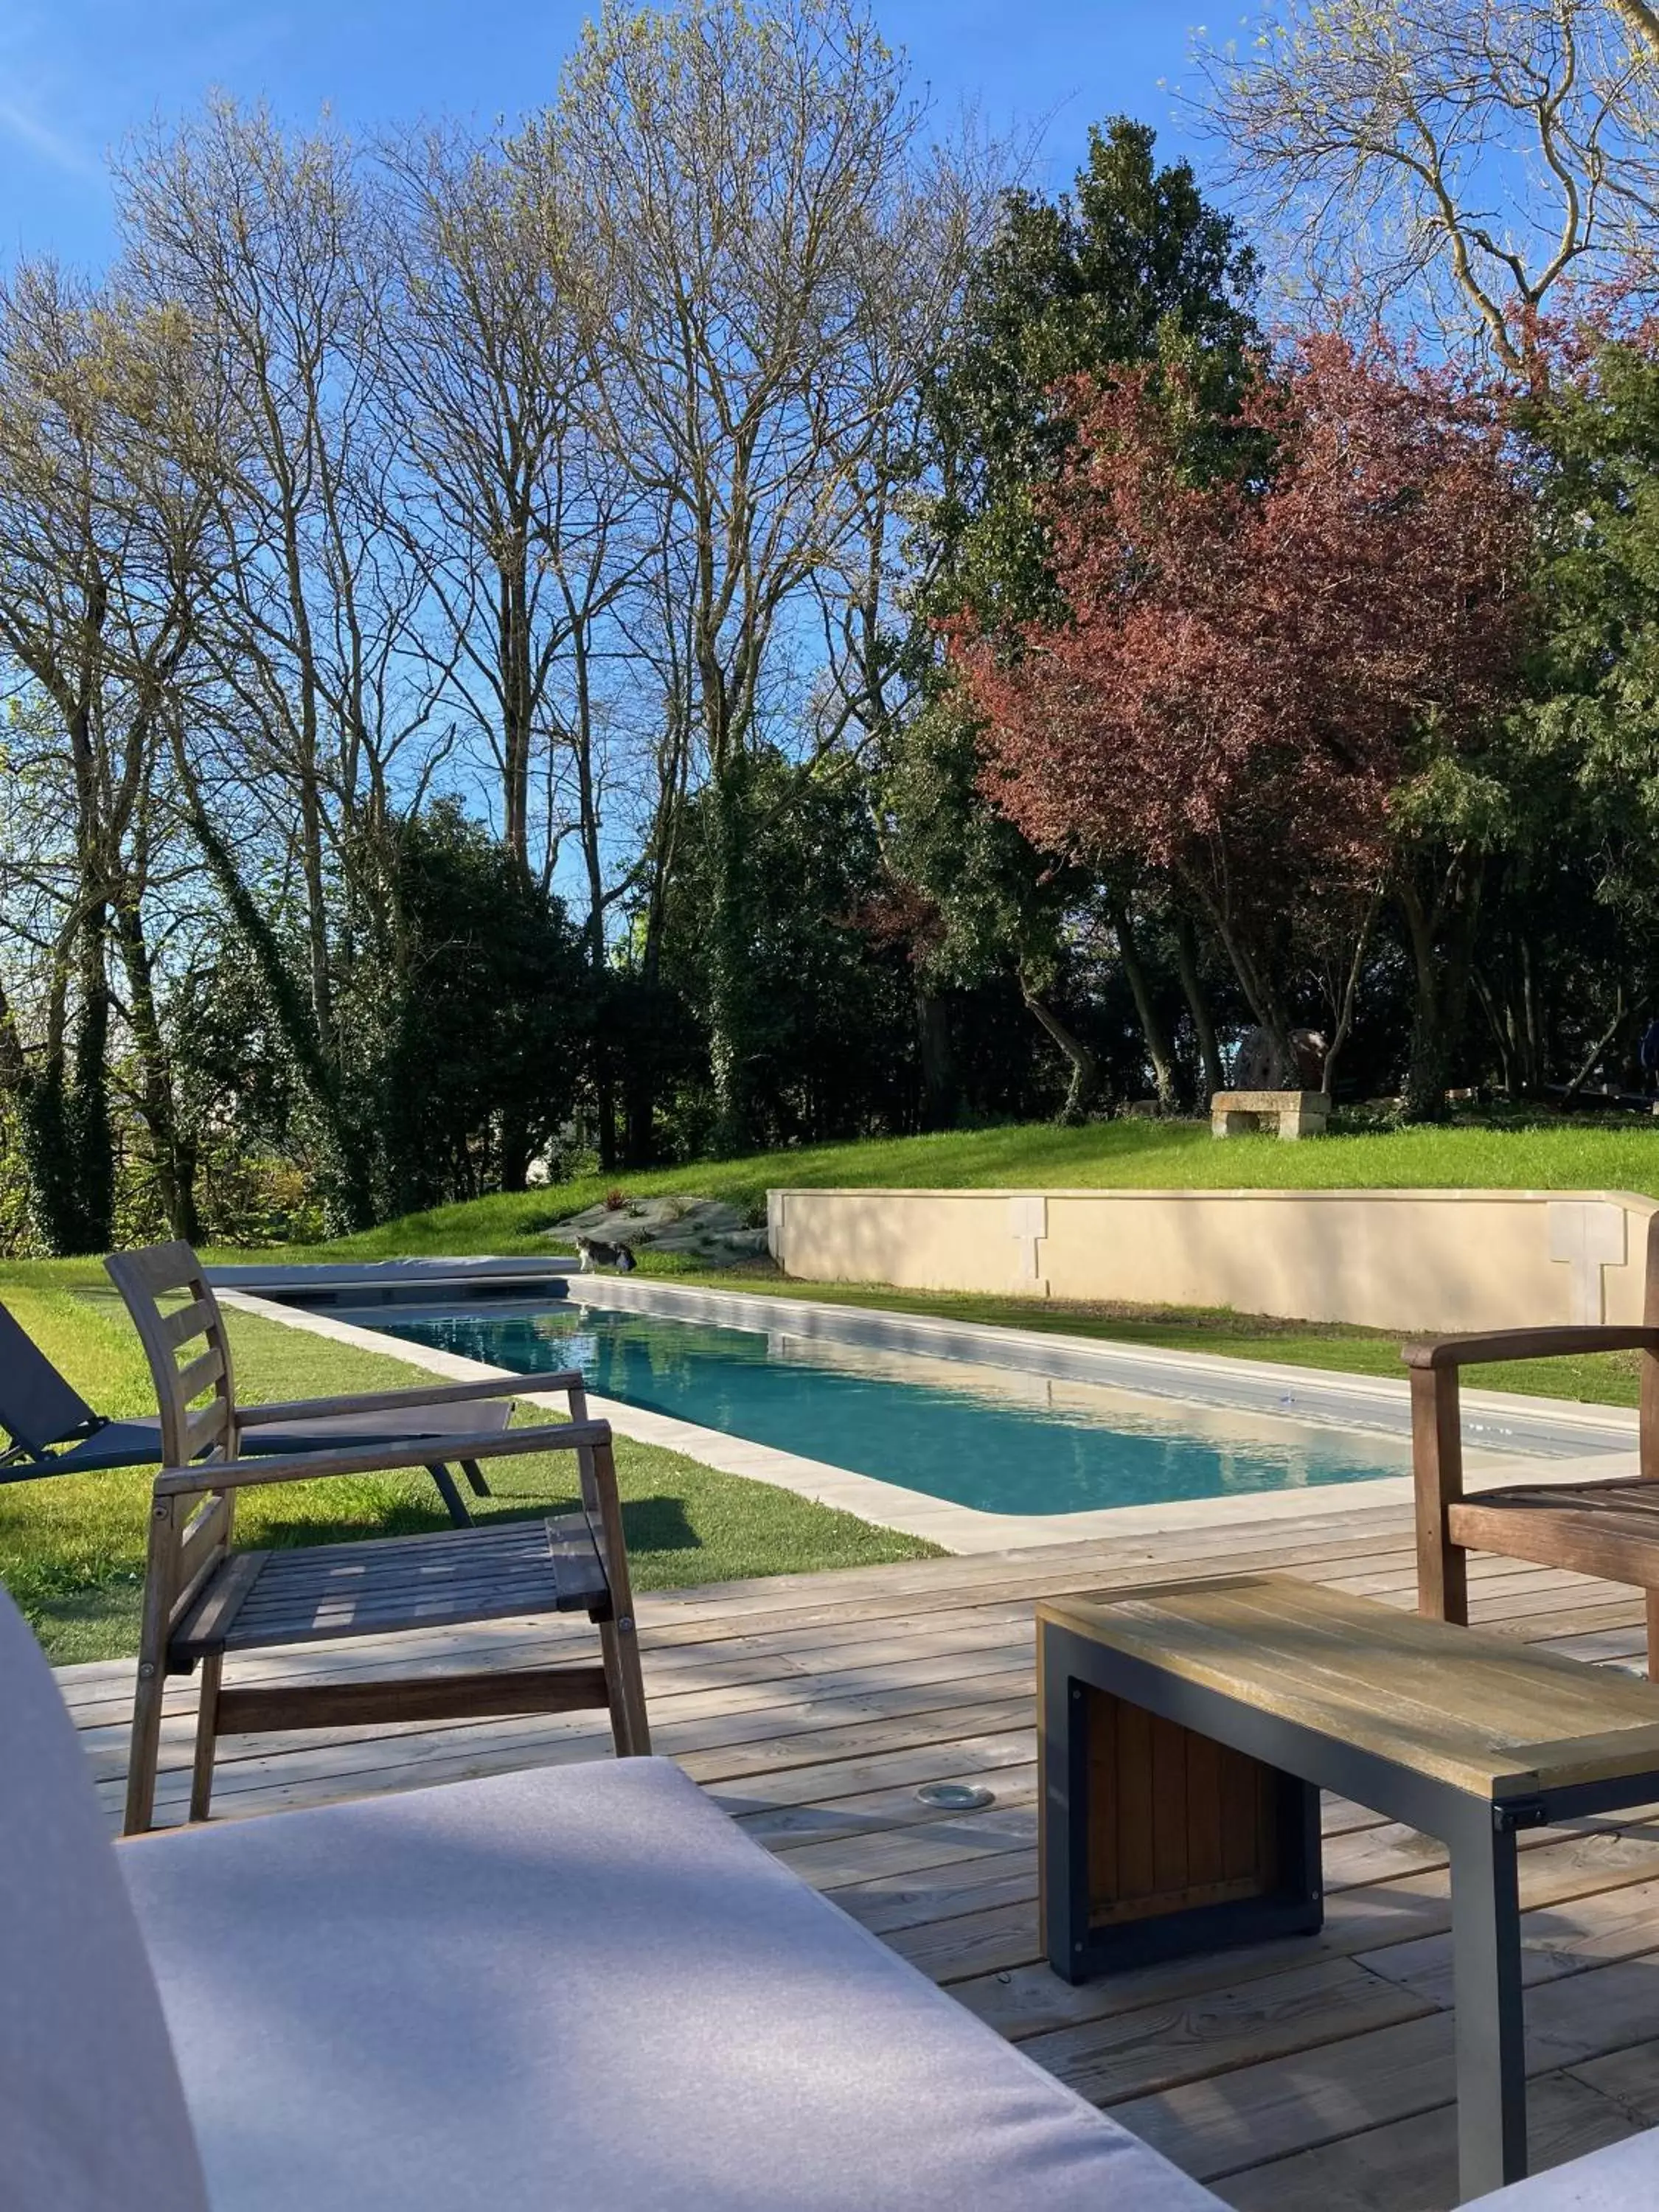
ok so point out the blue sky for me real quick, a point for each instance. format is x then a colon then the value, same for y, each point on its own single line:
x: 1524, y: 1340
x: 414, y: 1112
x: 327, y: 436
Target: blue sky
x: 75, y: 75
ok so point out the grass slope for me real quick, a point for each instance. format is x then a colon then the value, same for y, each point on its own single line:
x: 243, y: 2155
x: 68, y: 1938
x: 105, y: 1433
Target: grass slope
x: 72, y: 1547
x: 1127, y: 1155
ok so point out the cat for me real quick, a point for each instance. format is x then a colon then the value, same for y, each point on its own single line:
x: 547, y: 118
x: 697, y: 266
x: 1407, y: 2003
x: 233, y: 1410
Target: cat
x: 595, y: 1254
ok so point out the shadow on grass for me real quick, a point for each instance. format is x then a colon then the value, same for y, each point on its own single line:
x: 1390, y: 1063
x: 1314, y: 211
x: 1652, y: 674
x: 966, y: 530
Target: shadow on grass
x: 649, y: 1524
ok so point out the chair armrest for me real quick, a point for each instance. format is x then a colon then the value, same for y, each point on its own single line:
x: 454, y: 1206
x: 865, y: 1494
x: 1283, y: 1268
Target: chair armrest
x: 210, y: 1474
x: 1438, y: 1353
x: 392, y: 1402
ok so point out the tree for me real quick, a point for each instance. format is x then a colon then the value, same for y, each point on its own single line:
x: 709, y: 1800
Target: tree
x: 831, y: 1032
x: 465, y: 1013
x: 310, y: 725
x: 1590, y: 730
x: 1132, y: 267
x: 99, y: 531
x: 530, y: 528
x: 764, y: 252
x: 1463, y: 157
x: 1259, y: 664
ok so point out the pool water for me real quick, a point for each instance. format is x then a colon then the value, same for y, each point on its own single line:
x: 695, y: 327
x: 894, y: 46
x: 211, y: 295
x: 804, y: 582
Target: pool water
x: 991, y: 1437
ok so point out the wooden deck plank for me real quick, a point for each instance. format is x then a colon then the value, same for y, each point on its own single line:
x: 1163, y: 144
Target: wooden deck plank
x: 1411, y: 2165
x: 1301, y: 2074
x: 1334, y: 2089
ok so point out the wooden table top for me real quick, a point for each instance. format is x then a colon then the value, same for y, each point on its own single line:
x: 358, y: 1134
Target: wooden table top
x: 1481, y: 1712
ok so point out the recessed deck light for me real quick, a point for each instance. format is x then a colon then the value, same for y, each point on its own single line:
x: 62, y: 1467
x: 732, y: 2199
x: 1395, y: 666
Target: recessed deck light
x: 956, y: 1797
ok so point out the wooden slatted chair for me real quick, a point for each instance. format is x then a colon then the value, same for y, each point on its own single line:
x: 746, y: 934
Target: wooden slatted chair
x: 204, y: 1602
x: 1608, y: 1527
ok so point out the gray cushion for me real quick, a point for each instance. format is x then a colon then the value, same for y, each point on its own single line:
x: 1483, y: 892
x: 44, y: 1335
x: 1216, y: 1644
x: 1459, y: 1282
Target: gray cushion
x: 580, y: 1988
x: 92, y: 2119
x: 1624, y: 2177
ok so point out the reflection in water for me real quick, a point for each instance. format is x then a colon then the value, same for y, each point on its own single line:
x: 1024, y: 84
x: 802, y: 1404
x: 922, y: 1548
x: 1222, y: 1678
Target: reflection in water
x: 994, y: 1438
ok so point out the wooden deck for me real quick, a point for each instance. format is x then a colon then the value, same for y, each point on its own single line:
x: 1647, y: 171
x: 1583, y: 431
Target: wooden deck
x: 1302, y: 2077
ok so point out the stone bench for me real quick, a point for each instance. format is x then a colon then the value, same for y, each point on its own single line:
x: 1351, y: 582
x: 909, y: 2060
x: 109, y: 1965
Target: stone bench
x: 1293, y: 1113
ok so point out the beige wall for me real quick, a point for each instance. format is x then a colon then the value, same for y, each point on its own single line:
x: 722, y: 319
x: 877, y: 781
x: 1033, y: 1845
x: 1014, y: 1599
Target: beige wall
x: 1412, y: 1259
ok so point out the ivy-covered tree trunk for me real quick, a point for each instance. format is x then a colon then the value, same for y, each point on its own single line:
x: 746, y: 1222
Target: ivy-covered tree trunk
x: 731, y: 997
x: 347, y: 1176
x: 68, y: 1144
x: 60, y: 1099
x: 173, y: 1158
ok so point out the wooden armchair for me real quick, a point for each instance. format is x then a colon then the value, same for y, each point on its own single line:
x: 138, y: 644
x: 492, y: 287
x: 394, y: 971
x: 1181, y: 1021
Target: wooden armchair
x: 202, y: 1600
x: 1608, y: 1527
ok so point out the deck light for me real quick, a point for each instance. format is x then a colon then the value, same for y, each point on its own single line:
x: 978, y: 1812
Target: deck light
x: 956, y: 1797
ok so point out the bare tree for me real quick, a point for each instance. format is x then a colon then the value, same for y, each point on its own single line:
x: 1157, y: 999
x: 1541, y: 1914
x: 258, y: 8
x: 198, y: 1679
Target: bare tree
x: 737, y: 203
x: 99, y: 524
x: 1465, y: 156
x: 318, y: 723
x: 517, y: 510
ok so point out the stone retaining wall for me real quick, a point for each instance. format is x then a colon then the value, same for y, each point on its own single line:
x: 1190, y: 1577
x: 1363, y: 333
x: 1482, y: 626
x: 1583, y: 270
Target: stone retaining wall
x: 1428, y: 1260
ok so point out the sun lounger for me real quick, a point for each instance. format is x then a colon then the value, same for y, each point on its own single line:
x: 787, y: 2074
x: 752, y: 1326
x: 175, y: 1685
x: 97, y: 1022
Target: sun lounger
x: 53, y: 1430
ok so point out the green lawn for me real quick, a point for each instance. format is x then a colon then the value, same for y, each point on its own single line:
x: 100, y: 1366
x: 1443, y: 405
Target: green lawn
x: 71, y: 1549
x: 1127, y: 1154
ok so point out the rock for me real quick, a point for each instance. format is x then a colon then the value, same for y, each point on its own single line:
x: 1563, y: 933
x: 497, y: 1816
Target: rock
x: 709, y: 1229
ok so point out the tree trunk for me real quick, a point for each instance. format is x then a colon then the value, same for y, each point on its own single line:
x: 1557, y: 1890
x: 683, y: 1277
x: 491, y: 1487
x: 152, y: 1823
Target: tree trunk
x: 729, y: 989
x: 1192, y: 986
x: 940, y: 1089
x: 87, y: 1120
x: 49, y: 1122
x: 350, y: 1200
x: 1442, y: 956
x: 1085, y: 1085
x: 172, y: 1161
x: 1260, y: 991
x: 1345, y: 1012
x: 1152, y: 1026
x: 1622, y: 1013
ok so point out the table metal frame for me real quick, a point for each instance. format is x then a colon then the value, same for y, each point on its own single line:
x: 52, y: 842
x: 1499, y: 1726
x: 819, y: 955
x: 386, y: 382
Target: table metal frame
x: 1479, y: 1831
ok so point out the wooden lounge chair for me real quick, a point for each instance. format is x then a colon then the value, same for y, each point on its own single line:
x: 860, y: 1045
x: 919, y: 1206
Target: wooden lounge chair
x: 202, y: 1600
x: 53, y: 1430
x: 1608, y: 1527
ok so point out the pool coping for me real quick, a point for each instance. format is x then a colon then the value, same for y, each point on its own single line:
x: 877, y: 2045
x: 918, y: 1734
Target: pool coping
x: 1607, y: 1435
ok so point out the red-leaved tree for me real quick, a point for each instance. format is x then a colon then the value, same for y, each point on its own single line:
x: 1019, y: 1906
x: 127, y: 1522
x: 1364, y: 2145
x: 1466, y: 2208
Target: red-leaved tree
x: 1262, y: 655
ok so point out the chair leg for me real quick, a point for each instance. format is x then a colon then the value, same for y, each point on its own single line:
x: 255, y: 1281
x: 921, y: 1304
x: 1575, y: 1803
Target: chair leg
x: 450, y: 1497
x: 1652, y: 1596
x: 207, y: 1736
x: 619, y: 1649
x: 144, y: 1747
x: 144, y: 1753
x: 474, y: 1475
x: 1443, y: 1585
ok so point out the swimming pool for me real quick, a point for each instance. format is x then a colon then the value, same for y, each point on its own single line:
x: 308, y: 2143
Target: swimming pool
x: 992, y: 1438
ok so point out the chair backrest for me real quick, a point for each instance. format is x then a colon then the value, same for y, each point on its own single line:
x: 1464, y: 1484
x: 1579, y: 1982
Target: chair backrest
x: 92, y: 2115
x: 38, y: 1407
x: 144, y: 1278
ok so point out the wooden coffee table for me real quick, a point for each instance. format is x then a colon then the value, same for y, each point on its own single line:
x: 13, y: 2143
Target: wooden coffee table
x: 1186, y: 1730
